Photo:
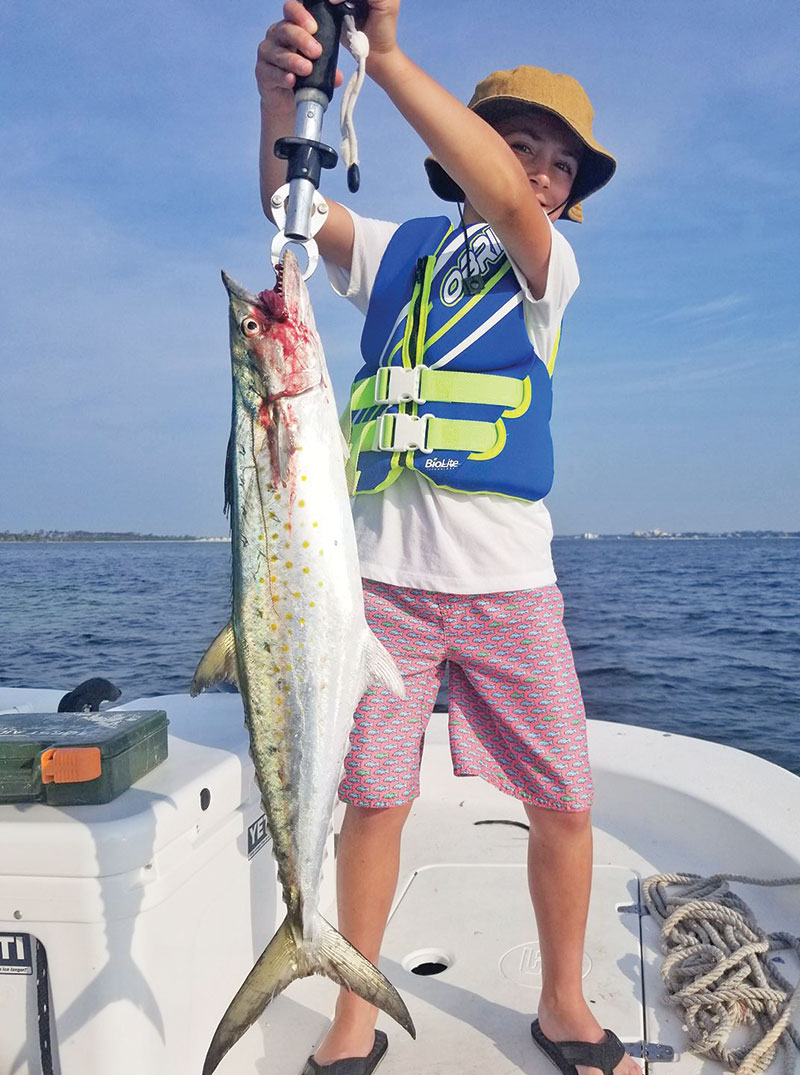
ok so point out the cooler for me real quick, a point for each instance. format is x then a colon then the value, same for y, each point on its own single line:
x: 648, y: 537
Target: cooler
x: 127, y: 927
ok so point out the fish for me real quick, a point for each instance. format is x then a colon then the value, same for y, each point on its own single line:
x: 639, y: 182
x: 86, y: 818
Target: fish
x: 297, y: 646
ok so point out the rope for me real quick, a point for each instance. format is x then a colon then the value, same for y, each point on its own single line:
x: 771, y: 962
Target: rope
x: 716, y: 969
x: 357, y: 44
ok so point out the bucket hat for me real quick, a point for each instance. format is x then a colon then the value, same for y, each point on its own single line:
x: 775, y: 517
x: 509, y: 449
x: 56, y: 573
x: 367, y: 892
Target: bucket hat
x: 505, y: 93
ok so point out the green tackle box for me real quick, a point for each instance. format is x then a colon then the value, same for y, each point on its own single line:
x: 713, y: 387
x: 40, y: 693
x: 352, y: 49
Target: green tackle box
x: 78, y: 759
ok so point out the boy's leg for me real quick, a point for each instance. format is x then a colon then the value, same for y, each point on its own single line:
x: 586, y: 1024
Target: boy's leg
x: 517, y: 720
x: 381, y: 770
x: 560, y: 878
x: 368, y: 859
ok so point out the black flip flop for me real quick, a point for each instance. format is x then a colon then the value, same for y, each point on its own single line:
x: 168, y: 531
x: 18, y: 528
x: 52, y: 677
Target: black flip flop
x: 567, y: 1054
x: 351, y: 1065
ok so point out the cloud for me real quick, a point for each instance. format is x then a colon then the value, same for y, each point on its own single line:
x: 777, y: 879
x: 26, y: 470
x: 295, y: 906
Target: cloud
x: 703, y: 311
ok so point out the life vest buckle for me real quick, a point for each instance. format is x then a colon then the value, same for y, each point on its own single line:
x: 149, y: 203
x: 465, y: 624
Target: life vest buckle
x: 403, y: 433
x: 398, y: 384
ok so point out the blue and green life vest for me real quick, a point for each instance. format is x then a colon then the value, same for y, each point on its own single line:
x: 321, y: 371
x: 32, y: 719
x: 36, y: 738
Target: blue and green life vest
x: 451, y: 386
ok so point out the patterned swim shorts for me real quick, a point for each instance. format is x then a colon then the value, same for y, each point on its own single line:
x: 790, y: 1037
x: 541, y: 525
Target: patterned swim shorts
x: 516, y: 713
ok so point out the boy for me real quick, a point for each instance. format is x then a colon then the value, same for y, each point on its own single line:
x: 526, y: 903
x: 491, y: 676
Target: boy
x: 454, y: 539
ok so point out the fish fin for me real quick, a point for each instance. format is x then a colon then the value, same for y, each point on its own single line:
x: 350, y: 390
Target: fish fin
x: 381, y: 670
x: 284, y: 960
x: 276, y: 967
x: 339, y: 960
x: 218, y: 663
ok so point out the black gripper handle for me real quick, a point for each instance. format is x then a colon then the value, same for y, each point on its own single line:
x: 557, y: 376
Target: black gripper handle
x: 329, y: 26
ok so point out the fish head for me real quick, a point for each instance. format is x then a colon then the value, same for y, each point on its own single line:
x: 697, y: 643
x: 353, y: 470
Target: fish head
x: 275, y: 349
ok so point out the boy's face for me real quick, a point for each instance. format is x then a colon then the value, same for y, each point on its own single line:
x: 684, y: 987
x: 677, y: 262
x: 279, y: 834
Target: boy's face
x: 548, y: 151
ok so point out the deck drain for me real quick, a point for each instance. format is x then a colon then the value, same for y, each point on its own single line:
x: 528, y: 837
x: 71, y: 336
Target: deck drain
x: 427, y: 961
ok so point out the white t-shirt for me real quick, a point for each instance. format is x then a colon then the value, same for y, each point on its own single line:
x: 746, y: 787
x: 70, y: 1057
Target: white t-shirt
x: 417, y: 535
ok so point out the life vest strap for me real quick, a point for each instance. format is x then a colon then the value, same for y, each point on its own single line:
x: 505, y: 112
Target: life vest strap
x: 424, y: 433
x: 396, y: 384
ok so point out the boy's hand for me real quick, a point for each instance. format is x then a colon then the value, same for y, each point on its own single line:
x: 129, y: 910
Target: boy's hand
x: 286, y: 52
x: 380, y: 25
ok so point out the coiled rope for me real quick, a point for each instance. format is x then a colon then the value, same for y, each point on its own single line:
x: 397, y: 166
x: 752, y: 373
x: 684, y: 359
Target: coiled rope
x: 717, y: 970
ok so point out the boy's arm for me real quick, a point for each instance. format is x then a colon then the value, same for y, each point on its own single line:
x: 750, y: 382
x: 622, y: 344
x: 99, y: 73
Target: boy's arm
x: 471, y: 151
x: 287, y: 51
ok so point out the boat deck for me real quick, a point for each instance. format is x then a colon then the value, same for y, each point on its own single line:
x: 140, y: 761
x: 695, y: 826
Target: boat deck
x: 151, y: 908
x: 463, y: 902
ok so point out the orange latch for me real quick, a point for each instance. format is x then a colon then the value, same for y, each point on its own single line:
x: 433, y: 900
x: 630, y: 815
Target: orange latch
x: 71, y: 765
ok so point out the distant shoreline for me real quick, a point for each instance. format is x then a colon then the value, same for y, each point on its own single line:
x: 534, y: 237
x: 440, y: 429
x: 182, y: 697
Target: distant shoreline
x: 64, y: 536
x: 60, y: 536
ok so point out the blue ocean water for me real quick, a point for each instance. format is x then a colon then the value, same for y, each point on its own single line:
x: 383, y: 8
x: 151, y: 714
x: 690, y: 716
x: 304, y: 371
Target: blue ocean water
x: 700, y: 637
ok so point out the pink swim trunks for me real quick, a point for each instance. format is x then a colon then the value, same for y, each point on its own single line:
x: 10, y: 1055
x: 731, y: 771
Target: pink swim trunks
x: 516, y: 713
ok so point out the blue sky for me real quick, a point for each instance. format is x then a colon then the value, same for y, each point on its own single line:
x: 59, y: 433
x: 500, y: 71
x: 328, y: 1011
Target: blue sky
x: 129, y: 139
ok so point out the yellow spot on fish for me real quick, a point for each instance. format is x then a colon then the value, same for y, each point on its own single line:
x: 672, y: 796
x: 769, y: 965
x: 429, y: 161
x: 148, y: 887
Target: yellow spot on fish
x: 273, y: 627
x: 311, y: 603
x: 295, y: 595
x: 288, y: 615
x: 272, y: 559
x: 279, y: 701
x: 288, y: 668
x: 320, y: 584
x: 301, y: 503
x: 305, y: 570
x: 284, y: 649
x: 279, y: 718
x: 273, y: 537
x: 289, y: 563
x: 260, y: 537
x: 261, y: 579
x: 287, y: 526
x: 305, y: 544
x: 315, y: 524
x: 302, y: 477
x: 322, y: 552
x: 277, y: 495
x: 273, y: 578
x: 275, y: 598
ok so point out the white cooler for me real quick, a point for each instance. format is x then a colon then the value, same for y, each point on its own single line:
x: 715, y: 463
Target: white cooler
x: 150, y: 909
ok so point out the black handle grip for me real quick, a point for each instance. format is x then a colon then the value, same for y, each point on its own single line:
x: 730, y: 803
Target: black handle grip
x: 329, y: 26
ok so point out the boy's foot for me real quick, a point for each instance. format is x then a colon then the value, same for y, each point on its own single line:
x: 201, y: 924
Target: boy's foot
x: 351, y: 1065
x: 554, y: 1027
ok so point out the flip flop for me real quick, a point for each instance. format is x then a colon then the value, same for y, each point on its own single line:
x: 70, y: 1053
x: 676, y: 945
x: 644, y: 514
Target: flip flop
x: 567, y: 1054
x: 351, y: 1065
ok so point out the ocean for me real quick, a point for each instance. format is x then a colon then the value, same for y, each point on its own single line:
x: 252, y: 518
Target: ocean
x: 699, y: 636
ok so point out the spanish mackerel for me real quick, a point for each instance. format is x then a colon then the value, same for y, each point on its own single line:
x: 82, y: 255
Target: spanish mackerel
x: 298, y: 645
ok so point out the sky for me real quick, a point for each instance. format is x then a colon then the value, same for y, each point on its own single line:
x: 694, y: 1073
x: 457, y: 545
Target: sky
x: 128, y: 141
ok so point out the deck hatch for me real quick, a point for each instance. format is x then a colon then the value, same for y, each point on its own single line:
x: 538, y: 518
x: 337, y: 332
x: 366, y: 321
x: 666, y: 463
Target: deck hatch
x: 480, y: 1008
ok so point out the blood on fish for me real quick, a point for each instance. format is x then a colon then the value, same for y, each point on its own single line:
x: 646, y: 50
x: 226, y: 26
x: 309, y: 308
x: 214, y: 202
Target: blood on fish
x: 265, y: 413
x: 273, y: 304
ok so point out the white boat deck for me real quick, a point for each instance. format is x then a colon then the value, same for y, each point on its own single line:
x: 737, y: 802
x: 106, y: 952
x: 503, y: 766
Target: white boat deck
x: 665, y: 803
x: 153, y: 905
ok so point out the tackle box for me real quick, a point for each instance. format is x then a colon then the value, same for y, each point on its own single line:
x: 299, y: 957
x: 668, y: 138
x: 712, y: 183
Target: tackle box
x: 78, y: 759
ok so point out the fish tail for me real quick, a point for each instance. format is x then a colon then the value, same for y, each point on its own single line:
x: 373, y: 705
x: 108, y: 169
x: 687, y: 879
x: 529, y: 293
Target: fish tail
x: 284, y: 960
x: 338, y: 959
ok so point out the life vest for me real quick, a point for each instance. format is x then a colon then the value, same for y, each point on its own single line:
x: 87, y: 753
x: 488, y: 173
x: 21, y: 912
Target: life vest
x: 451, y: 386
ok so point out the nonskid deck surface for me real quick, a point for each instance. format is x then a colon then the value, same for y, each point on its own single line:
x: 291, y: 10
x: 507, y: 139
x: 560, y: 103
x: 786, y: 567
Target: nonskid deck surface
x: 664, y: 803
x: 463, y: 901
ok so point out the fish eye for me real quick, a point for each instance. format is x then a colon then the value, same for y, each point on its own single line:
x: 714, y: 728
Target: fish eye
x: 250, y: 327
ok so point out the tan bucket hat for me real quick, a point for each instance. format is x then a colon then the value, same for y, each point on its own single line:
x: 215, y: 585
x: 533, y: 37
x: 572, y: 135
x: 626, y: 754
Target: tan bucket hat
x: 505, y: 92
